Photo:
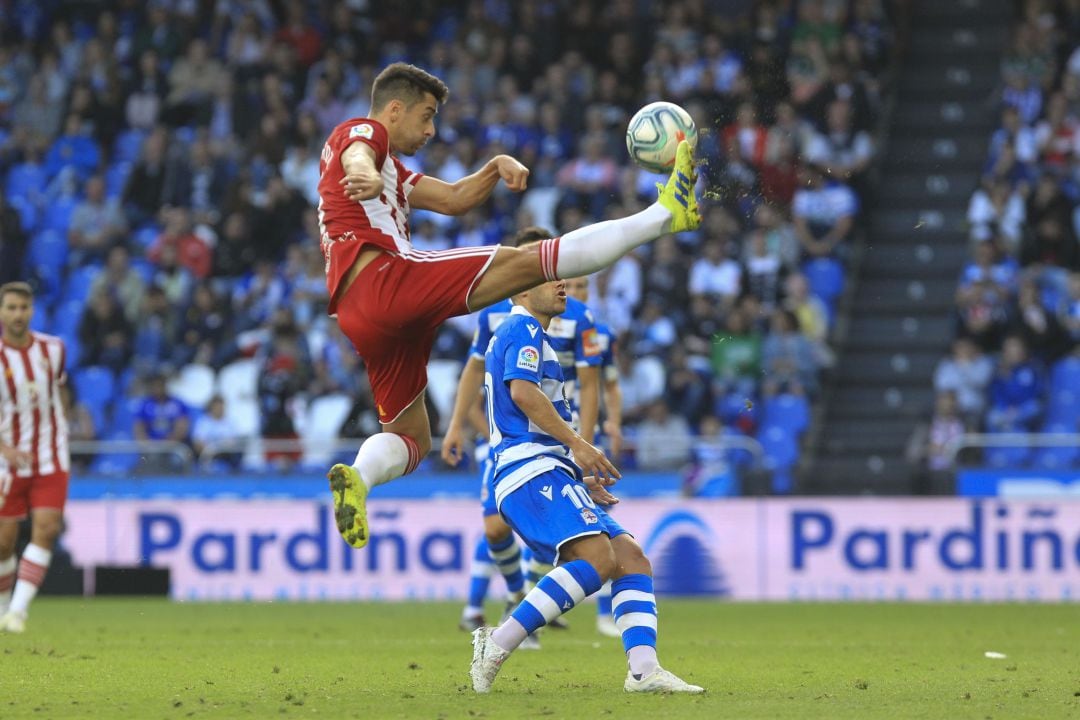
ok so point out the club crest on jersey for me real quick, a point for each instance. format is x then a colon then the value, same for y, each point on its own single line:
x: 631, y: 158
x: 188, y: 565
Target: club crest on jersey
x: 528, y: 358
x: 362, y: 131
x: 589, y: 516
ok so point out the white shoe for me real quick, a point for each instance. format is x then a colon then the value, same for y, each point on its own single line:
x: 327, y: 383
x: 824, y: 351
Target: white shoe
x: 531, y: 642
x: 13, y: 622
x: 605, y: 625
x: 487, y: 658
x: 659, y: 681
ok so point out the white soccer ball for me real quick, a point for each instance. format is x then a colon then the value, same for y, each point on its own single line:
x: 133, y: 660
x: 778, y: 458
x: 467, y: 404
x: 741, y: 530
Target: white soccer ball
x: 655, y: 132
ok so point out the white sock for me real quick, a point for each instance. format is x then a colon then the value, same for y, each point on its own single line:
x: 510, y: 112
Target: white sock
x: 595, y: 247
x: 32, y: 568
x: 385, y: 456
x: 642, y: 660
x: 7, y: 582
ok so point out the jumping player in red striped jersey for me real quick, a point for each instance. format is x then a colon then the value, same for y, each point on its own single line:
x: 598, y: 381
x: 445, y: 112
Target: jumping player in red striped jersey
x: 390, y: 299
x: 34, y: 460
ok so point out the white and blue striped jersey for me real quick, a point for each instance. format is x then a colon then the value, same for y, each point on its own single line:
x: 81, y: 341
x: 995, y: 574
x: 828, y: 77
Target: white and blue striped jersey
x: 520, y: 350
x: 574, y: 338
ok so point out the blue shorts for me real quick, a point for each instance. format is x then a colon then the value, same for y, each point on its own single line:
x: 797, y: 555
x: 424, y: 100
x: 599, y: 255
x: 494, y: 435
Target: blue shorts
x: 554, y: 508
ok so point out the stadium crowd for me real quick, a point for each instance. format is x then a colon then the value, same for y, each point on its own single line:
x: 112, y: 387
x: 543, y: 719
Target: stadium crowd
x: 1015, y: 360
x: 160, y: 163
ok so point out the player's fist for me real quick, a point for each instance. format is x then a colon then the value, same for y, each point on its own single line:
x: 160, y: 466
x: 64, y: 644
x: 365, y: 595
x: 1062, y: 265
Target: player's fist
x: 14, y: 457
x: 512, y: 172
x: 453, y: 446
x: 362, y: 184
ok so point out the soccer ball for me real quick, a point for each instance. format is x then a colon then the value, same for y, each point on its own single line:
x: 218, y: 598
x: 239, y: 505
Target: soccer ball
x: 655, y: 132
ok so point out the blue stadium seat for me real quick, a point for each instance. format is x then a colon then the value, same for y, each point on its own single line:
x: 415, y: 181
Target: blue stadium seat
x: 123, y: 417
x: 72, y: 348
x: 25, y: 181
x: 825, y: 277
x: 96, y: 388
x: 128, y: 146
x: 1064, y: 406
x: 791, y: 412
x: 1006, y: 457
x: 67, y: 317
x: 79, y: 282
x: 114, y: 463
x: 145, y: 268
x: 42, y: 320
x: 60, y: 211
x: 1066, y: 374
x: 48, y: 257
x: 1056, y: 458
x: 781, y: 447
x: 116, y: 178
x: 145, y: 236
x: 28, y: 212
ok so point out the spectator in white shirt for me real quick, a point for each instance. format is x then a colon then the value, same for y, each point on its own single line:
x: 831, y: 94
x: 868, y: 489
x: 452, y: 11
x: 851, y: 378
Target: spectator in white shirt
x: 823, y: 213
x: 716, y: 275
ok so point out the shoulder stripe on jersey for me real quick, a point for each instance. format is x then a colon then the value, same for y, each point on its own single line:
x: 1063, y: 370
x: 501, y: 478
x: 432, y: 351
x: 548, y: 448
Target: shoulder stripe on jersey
x: 35, y: 430
x: 16, y: 425
x: 52, y: 409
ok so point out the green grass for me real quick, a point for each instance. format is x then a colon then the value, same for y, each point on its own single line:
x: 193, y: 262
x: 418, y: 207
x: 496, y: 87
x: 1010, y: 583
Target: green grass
x: 137, y: 659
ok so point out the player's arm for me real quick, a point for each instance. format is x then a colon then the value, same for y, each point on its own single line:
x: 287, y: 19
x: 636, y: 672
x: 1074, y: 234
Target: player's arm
x: 362, y: 180
x: 472, y: 377
x: 532, y: 401
x: 470, y: 191
x: 588, y: 400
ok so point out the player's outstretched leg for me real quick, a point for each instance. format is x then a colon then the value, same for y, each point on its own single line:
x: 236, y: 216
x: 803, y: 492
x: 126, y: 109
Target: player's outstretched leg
x: 480, y: 571
x: 382, y: 457
x: 558, y: 591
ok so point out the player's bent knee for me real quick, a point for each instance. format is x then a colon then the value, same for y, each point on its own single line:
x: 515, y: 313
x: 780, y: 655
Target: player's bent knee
x: 495, y: 529
x: 630, y: 558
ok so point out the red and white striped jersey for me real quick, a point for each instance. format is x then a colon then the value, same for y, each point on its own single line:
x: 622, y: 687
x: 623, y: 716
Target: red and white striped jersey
x: 345, y: 226
x: 31, y: 411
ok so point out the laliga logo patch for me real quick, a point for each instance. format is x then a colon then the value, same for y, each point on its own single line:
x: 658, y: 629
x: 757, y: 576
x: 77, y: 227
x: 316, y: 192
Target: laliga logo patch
x: 589, y: 516
x: 529, y: 358
x: 362, y: 131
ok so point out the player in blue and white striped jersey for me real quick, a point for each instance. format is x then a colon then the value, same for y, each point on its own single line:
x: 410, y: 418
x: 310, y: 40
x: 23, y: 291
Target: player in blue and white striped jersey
x: 541, y: 492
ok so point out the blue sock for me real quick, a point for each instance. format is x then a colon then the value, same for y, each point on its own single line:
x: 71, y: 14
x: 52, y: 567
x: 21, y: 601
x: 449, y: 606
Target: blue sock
x: 480, y: 572
x: 603, y: 600
x: 507, y: 558
x: 635, y: 612
x: 558, y: 591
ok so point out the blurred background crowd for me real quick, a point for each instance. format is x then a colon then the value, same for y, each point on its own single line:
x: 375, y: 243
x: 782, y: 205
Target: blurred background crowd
x: 1015, y: 360
x: 160, y: 159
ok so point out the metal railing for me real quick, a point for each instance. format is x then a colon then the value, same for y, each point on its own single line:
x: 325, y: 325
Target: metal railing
x: 312, y: 450
x: 1008, y: 440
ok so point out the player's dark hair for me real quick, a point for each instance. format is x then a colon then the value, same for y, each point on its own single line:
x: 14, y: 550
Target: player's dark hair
x: 527, y: 236
x: 18, y: 288
x: 407, y: 83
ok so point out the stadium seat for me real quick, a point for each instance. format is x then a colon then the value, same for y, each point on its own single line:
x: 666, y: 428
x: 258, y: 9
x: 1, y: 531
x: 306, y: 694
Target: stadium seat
x: 116, y: 178
x: 145, y: 236
x: 238, y: 380
x: 325, y: 416
x: 1006, y: 457
x: 791, y: 412
x: 96, y: 388
x: 42, y: 320
x: 128, y: 146
x: 60, y: 211
x: 1064, y: 406
x: 26, y: 181
x: 442, y: 384
x: 28, y: 213
x: 780, y: 446
x: 114, y: 463
x: 78, y: 284
x: 73, y: 348
x: 1056, y: 458
x: 193, y: 385
x: 145, y: 268
x: 1066, y: 375
x: 48, y: 257
x: 67, y: 317
x: 825, y: 277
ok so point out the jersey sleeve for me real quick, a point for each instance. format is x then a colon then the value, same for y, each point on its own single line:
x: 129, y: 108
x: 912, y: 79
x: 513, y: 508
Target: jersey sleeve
x: 409, y: 178
x: 481, y: 336
x: 523, y: 354
x: 366, y: 131
x: 587, y: 350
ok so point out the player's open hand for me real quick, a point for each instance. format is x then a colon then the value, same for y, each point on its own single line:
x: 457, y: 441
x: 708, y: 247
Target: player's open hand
x: 598, y: 490
x: 362, y: 184
x: 453, y: 446
x: 15, y: 458
x: 512, y: 172
x: 592, y: 461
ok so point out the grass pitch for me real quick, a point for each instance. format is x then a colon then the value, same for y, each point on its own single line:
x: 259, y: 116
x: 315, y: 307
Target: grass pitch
x: 154, y: 659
